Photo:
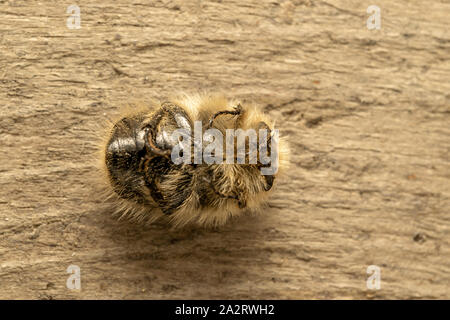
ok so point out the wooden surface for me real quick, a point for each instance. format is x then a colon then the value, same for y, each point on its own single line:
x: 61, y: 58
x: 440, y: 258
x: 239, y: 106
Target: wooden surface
x: 367, y: 114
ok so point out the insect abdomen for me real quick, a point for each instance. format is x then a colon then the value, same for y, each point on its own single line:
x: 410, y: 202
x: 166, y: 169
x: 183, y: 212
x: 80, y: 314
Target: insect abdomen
x: 124, y: 154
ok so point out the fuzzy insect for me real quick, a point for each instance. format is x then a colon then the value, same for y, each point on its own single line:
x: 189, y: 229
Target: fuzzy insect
x: 141, y: 174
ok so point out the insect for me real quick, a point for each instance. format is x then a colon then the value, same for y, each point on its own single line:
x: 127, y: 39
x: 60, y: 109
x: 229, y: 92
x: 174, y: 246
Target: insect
x: 151, y: 181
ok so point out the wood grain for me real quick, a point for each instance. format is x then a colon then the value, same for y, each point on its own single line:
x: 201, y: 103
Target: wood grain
x: 366, y: 112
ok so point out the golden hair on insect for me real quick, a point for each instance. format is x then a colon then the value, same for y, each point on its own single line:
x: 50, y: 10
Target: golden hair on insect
x: 146, y: 183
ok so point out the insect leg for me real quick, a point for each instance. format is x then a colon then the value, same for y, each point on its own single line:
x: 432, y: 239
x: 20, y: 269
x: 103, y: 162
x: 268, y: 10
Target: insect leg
x: 237, y: 111
x: 168, y: 117
x: 157, y: 170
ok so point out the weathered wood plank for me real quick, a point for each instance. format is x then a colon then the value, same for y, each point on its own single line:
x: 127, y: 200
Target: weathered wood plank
x: 367, y: 114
